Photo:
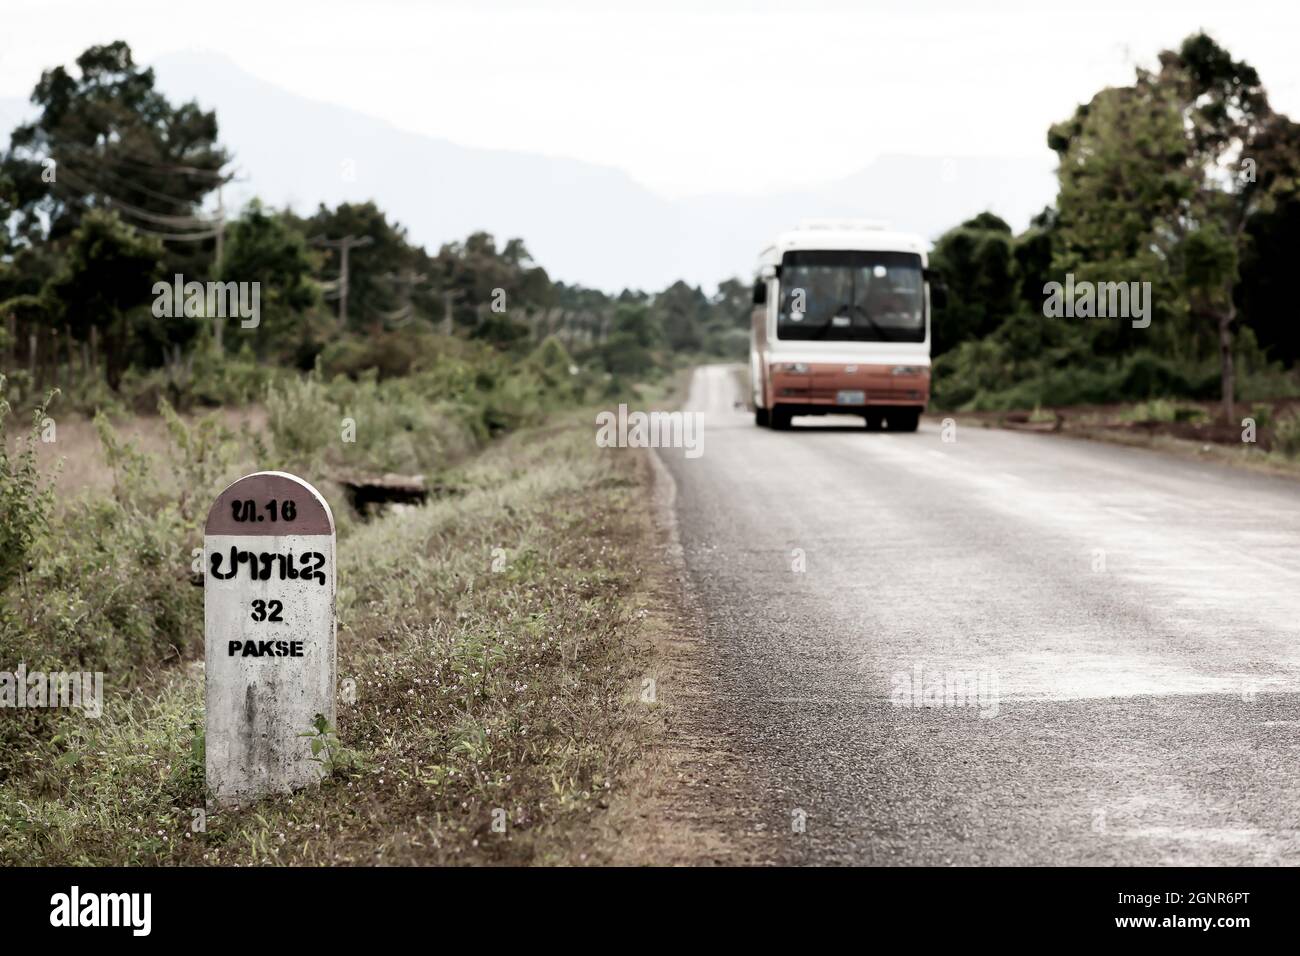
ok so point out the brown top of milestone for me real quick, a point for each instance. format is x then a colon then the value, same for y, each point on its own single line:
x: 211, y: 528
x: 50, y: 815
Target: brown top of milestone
x: 270, y: 504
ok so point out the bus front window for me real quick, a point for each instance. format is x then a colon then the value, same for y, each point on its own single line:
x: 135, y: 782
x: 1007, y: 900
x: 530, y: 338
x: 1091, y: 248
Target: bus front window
x: 852, y: 296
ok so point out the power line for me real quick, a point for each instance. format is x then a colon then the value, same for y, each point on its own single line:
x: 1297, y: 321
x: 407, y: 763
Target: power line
x: 120, y: 157
x: 138, y: 187
x: 159, y: 218
x: 173, y: 236
x: 88, y: 185
x: 103, y: 170
x: 406, y: 281
x: 178, y: 237
x: 345, y: 245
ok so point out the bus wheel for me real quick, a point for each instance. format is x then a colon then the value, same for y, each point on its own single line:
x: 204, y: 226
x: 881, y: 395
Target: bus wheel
x: 761, y: 417
x: 903, y: 419
x: 874, y: 420
x: 781, y: 418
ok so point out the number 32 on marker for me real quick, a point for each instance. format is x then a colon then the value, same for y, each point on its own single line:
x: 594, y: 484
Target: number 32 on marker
x: 267, y: 611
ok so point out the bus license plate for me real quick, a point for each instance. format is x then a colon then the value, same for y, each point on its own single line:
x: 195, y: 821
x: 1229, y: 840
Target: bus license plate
x: 850, y: 398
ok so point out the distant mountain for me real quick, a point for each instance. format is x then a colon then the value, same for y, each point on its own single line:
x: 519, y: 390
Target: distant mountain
x: 583, y: 222
x: 924, y: 195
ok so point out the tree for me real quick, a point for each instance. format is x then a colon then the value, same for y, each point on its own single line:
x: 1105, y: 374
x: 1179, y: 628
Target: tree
x: 978, y: 265
x: 494, y: 291
x: 370, y: 294
x: 1034, y: 249
x: 1160, y: 180
x: 734, y: 304
x: 263, y: 248
x: 681, y: 310
x: 105, y: 138
x: 1229, y: 123
x: 1122, y: 184
x: 1264, y: 295
x: 627, y: 351
x: 108, y: 271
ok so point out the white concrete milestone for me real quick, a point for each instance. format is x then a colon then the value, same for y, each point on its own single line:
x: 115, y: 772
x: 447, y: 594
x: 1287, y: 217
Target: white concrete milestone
x: 269, y: 585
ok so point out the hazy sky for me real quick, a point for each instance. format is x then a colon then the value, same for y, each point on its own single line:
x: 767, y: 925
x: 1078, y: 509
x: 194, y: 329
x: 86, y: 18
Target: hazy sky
x: 687, y: 97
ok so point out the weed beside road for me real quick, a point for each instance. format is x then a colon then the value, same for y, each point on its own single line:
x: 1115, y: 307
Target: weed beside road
x: 489, y: 660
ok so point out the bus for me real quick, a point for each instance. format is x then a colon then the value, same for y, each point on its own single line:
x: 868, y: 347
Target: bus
x: 841, y: 325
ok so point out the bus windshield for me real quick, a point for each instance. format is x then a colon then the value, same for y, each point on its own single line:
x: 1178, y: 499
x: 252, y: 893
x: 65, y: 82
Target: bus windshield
x: 851, y: 296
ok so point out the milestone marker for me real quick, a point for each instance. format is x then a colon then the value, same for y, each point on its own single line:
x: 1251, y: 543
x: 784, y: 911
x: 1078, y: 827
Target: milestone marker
x: 268, y: 600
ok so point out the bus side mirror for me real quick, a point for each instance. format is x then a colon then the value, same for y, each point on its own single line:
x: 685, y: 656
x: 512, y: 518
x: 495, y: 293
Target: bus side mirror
x: 760, y: 292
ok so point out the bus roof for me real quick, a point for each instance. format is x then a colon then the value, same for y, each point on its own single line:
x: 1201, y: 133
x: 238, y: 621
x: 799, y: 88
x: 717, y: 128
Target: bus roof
x: 833, y: 234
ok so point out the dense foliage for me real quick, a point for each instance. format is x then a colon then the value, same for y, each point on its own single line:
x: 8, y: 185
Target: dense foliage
x: 1186, y: 180
x: 112, y: 189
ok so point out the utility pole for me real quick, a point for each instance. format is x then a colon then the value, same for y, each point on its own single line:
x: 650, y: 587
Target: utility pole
x: 221, y: 226
x: 449, y: 296
x: 344, y: 245
x: 218, y: 323
x: 406, y: 282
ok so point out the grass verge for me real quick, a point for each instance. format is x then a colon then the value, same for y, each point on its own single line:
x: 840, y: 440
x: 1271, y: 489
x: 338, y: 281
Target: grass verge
x: 494, y: 644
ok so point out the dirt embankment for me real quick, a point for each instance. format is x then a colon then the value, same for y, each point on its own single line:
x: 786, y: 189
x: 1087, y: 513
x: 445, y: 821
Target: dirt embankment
x: 1263, y: 435
x: 74, y: 448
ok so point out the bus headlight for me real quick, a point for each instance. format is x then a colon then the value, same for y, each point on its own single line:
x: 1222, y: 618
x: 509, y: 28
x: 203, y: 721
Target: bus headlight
x: 799, y: 368
x: 908, y: 370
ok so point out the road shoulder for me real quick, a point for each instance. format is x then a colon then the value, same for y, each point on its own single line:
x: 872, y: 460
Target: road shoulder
x: 684, y: 802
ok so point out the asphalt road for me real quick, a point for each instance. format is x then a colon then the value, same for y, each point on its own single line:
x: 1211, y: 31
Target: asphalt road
x: 1109, y: 639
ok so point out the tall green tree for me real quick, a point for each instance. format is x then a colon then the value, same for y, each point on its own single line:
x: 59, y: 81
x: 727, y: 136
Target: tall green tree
x: 370, y: 295
x: 978, y: 265
x: 1159, y: 181
x: 682, y: 310
x: 262, y: 247
x: 106, y: 138
x: 628, y: 351
x: 1265, y: 295
x: 106, y: 282
x: 496, y: 293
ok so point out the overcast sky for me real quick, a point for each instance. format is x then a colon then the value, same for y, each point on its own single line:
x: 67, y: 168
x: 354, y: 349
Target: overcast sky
x: 688, y: 96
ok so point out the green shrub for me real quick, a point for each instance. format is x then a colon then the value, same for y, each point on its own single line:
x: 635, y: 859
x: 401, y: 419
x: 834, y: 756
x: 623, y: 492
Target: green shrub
x: 227, y: 380
x: 90, y: 395
x: 1286, y: 435
x: 300, y: 418
x: 991, y: 375
x: 1263, y: 416
x: 1164, y: 410
x: 394, y: 426
x: 107, y: 580
x: 25, y: 496
x: 1147, y: 376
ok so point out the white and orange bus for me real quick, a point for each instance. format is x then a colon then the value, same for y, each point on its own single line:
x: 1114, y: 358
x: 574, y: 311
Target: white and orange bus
x: 841, y: 325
